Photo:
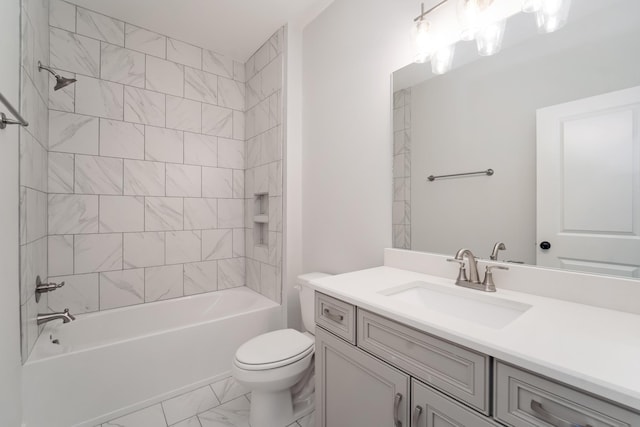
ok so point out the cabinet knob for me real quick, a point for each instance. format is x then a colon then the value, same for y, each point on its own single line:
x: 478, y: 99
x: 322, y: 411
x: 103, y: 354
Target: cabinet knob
x: 545, y: 245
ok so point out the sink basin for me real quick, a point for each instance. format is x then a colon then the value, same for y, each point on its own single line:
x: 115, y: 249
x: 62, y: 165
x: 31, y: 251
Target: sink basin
x: 485, y: 310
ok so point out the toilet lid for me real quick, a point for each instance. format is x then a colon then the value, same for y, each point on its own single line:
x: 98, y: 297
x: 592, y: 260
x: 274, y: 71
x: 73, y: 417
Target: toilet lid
x: 274, y: 349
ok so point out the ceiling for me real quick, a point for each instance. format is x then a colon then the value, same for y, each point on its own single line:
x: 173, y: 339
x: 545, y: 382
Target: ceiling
x: 235, y: 28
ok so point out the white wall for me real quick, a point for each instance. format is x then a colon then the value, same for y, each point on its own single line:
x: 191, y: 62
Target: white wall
x: 10, y: 368
x: 349, y: 53
x: 293, y: 173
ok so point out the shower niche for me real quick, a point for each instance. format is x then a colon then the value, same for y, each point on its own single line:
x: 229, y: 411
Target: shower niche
x: 261, y: 219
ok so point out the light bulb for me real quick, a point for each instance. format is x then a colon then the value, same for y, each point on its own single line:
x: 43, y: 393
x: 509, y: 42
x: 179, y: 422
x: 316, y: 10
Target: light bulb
x: 422, y: 41
x: 552, y: 15
x: 489, y: 39
x: 442, y: 59
x: 530, y: 6
x: 469, y: 17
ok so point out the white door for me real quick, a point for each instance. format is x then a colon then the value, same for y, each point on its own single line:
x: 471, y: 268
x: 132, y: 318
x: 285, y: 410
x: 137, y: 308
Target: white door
x: 588, y: 176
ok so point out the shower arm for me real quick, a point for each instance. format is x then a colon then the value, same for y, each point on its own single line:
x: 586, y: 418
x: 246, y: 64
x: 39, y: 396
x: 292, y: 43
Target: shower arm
x: 44, y: 67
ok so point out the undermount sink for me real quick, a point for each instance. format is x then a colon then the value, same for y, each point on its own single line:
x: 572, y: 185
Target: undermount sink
x: 490, y: 311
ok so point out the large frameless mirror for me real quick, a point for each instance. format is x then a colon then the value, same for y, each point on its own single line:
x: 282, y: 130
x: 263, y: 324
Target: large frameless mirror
x: 555, y: 117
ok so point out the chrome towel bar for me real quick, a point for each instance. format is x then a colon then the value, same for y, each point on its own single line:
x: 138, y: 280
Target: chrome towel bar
x: 488, y: 172
x: 3, y: 119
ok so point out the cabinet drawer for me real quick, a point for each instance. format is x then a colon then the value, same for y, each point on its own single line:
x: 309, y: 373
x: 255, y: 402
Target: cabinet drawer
x: 336, y: 316
x: 432, y: 409
x: 526, y: 400
x: 459, y: 372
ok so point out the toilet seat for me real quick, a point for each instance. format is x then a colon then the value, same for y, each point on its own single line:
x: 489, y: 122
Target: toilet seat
x: 273, y: 350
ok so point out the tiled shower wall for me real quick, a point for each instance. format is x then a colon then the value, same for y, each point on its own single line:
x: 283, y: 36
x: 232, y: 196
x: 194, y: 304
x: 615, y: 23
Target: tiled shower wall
x: 401, y: 215
x: 33, y: 165
x: 264, y: 71
x: 146, y: 165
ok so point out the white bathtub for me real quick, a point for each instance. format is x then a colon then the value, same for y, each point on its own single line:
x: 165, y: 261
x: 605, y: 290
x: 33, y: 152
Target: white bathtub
x: 113, y: 362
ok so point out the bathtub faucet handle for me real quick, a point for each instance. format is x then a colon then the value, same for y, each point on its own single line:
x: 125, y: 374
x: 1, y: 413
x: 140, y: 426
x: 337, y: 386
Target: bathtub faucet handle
x: 42, y: 288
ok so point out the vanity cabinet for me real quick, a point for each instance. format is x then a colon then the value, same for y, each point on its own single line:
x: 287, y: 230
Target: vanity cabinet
x: 524, y: 399
x: 355, y: 389
x: 430, y: 408
x: 372, y: 371
x: 458, y: 371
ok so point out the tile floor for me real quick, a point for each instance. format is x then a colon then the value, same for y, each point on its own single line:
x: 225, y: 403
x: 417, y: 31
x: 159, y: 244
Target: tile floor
x: 221, y: 404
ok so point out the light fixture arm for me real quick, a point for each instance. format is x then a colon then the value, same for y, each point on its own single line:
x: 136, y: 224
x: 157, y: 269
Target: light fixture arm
x: 423, y: 13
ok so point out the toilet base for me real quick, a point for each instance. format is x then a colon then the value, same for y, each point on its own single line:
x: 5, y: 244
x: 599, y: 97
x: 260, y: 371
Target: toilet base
x: 271, y: 409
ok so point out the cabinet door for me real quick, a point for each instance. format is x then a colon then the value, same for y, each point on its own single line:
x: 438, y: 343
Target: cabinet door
x: 433, y: 409
x: 354, y: 389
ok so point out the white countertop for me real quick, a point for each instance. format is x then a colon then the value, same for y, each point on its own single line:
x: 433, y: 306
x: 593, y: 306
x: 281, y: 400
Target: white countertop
x: 591, y: 348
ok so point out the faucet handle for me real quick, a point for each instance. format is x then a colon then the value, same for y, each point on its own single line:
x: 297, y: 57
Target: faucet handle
x: 488, y: 284
x: 462, y: 273
x: 42, y: 288
x: 69, y: 316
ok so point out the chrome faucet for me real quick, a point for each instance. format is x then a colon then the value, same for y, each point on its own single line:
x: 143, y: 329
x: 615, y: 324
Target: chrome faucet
x: 473, y: 281
x: 473, y: 264
x: 48, y: 317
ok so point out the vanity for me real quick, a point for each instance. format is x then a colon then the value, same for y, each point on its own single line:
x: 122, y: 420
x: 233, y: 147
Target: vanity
x: 396, y: 347
x: 536, y: 147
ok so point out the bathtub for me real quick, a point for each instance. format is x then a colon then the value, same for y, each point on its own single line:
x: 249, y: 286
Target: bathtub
x: 107, y: 364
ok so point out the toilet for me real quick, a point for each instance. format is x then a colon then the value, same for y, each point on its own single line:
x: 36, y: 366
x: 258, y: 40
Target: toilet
x: 272, y: 363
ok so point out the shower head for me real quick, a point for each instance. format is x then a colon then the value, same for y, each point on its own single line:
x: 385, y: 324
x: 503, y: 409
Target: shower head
x: 60, y: 81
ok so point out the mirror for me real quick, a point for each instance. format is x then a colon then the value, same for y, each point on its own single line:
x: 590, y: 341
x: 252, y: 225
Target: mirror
x: 555, y: 116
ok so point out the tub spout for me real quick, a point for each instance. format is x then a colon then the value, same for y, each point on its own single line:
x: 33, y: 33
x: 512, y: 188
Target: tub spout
x: 48, y: 317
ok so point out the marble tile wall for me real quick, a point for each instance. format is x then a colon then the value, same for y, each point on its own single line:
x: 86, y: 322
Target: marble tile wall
x: 33, y: 165
x: 263, y: 175
x: 401, y: 214
x: 146, y: 166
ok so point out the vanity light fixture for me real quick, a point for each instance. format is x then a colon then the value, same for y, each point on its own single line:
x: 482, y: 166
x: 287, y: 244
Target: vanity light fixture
x: 489, y: 39
x: 551, y: 15
x: 424, y: 44
x: 477, y: 23
x: 442, y: 59
x: 472, y: 17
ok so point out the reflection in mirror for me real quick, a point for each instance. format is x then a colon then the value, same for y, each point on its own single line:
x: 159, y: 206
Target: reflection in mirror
x: 556, y: 117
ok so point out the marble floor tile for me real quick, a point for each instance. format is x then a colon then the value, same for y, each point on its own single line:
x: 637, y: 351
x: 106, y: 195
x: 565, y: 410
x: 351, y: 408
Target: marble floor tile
x: 231, y: 414
x: 308, y: 420
x: 190, y: 404
x: 228, y: 389
x: 148, y: 417
x: 181, y: 411
x: 190, y: 422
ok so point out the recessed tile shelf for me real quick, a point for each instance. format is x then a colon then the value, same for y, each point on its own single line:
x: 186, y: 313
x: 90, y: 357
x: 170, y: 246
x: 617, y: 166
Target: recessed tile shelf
x: 261, y: 219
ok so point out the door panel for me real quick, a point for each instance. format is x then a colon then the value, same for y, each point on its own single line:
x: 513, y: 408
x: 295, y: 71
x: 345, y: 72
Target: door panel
x: 588, y: 173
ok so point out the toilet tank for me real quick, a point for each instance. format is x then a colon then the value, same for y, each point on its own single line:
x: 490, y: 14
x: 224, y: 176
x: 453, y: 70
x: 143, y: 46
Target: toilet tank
x: 307, y: 304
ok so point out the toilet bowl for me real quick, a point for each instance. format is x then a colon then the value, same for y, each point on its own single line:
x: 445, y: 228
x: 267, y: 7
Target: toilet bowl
x: 271, y: 364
